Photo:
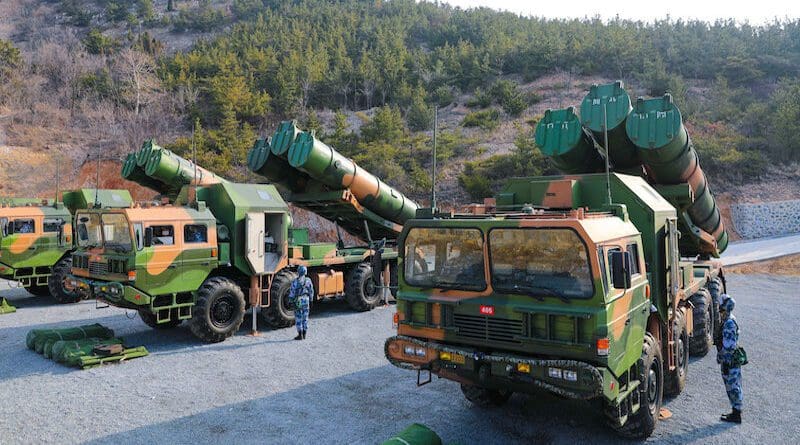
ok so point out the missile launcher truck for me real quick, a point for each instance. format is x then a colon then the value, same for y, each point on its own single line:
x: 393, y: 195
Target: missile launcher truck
x: 221, y: 246
x: 36, y: 238
x: 588, y: 285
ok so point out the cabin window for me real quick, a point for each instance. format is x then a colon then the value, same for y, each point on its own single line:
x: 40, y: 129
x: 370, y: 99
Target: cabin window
x: 195, y: 233
x: 163, y: 235
x: 447, y: 258
x: 633, y: 249
x: 540, y: 263
x: 26, y: 225
x: 53, y: 225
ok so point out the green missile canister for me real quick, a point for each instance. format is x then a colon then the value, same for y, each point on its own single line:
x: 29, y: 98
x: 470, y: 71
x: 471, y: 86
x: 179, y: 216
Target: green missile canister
x: 610, y: 105
x: 143, y: 155
x: 175, y: 171
x: 284, y: 137
x: 560, y: 136
x: 324, y: 164
x: 277, y: 170
x: 132, y: 172
x: 656, y: 127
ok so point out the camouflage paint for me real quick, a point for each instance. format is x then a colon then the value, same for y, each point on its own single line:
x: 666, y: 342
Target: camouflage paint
x: 560, y: 136
x: 486, y: 334
x: 610, y: 104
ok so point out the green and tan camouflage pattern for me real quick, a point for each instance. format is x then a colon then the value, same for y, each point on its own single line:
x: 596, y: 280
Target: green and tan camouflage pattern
x: 28, y: 258
x: 517, y: 337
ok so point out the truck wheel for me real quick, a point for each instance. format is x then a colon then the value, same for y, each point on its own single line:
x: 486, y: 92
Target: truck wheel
x: 484, y: 397
x: 57, y: 282
x: 715, y: 291
x: 280, y: 314
x: 39, y: 291
x: 650, y: 392
x: 360, y: 292
x: 149, y: 319
x: 676, y: 381
x: 703, y: 327
x: 219, y: 310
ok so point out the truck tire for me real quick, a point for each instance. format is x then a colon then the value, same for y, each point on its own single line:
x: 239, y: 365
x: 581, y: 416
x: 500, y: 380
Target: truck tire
x: 483, y: 397
x: 703, y: 328
x: 360, y: 292
x: 676, y: 381
x: 715, y: 291
x: 56, y: 282
x: 641, y: 424
x: 149, y: 319
x: 219, y: 310
x: 279, y: 313
x: 393, y: 279
x: 39, y: 291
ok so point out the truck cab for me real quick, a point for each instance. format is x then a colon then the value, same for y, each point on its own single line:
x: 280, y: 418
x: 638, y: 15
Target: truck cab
x: 551, y: 287
x: 33, y: 238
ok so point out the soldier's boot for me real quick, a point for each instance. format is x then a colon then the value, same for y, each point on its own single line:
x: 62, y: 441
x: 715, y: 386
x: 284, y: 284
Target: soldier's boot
x: 735, y: 416
x: 304, y: 333
x: 299, y: 335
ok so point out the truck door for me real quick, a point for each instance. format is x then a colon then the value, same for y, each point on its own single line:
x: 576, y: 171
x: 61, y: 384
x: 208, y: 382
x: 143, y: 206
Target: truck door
x: 199, y: 257
x: 20, y: 242
x: 267, y: 242
x: 163, y: 251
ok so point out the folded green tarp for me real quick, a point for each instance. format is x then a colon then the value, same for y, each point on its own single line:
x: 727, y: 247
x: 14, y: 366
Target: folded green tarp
x: 37, y: 338
x: 69, y: 352
x: 416, y: 434
x: 91, y: 361
x: 6, y: 308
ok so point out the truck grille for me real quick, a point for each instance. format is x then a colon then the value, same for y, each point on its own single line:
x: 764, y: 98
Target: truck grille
x: 97, y: 268
x: 488, y: 328
x: 80, y: 262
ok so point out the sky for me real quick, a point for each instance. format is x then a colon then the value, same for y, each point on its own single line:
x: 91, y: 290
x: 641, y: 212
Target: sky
x: 754, y: 12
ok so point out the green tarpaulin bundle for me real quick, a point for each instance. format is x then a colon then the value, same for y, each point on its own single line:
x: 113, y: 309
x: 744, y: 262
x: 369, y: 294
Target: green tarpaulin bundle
x: 69, y: 352
x: 91, y: 361
x: 37, y: 338
x: 416, y: 434
x: 6, y: 308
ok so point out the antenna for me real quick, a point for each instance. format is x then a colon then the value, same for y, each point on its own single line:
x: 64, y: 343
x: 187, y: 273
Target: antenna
x: 605, y: 145
x: 433, y: 182
x: 194, y: 161
x: 97, y: 182
x: 58, y: 179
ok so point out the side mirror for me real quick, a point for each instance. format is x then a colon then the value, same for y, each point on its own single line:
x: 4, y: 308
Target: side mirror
x: 4, y: 227
x: 148, y: 237
x: 83, y: 232
x: 621, y: 269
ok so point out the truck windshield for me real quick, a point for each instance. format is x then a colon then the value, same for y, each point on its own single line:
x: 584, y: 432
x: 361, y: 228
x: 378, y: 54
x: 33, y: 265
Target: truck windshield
x: 540, y: 262
x: 445, y: 258
x: 113, y: 233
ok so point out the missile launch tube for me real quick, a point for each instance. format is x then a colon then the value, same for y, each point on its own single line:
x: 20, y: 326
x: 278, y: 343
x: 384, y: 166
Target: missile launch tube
x: 132, y: 172
x: 664, y: 146
x: 610, y: 104
x: 175, y: 171
x: 560, y: 136
x: 324, y: 164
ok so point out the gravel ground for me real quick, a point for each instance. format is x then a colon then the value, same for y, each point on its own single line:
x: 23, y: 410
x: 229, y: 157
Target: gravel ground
x: 337, y: 387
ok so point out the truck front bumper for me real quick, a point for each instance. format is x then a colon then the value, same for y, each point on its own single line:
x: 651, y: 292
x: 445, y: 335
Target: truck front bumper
x: 114, y: 293
x: 567, y: 378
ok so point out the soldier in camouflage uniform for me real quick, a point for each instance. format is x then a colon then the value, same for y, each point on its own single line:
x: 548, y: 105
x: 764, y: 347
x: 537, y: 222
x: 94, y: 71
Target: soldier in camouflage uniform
x: 728, y: 338
x: 300, y: 295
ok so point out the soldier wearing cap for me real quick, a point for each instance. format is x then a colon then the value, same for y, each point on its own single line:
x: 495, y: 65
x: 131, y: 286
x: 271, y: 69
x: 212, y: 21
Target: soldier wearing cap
x: 727, y: 340
x: 300, y: 294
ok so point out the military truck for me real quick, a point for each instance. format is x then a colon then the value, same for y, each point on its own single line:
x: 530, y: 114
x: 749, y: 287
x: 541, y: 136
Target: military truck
x: 221, y: 246
x: 590, y: 285
x: 36, y: 238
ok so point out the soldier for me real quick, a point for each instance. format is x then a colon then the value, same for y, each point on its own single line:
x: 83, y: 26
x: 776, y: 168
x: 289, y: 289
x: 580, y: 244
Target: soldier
x: 26, y: 227
x: 300, y: 294
x: 728, y: 338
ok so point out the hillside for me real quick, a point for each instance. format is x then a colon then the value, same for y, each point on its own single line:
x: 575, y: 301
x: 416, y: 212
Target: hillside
x: 88, y: 76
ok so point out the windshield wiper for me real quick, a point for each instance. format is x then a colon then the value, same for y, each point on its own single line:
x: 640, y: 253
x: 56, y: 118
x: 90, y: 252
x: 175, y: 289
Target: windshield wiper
x: 117, y: 247
x: 546, y: 290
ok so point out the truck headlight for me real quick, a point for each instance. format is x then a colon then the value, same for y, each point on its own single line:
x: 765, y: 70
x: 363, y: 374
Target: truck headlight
x: 554, y: 373
x: 572, y: 376
x: 408, y: 350
x: 420, y: 352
